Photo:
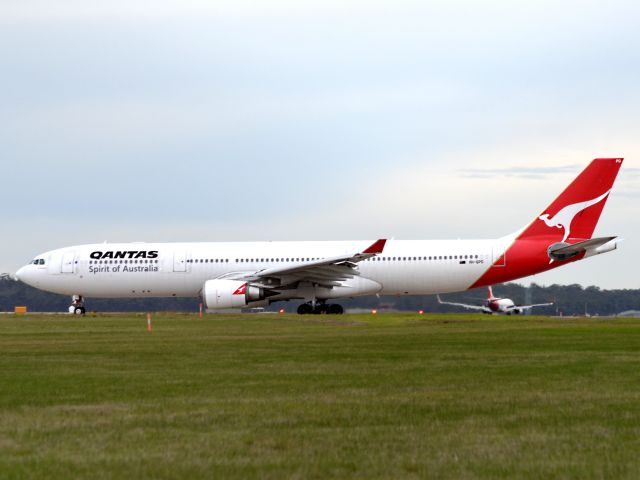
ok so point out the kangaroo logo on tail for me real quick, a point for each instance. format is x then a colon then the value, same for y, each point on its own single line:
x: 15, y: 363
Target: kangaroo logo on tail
x: 565, y: 216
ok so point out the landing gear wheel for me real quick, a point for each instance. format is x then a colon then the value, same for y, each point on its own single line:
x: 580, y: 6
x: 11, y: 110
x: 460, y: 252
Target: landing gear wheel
x: 320, y: 308
x: 305, y: 309
x: 77, y: 305
x: 335, y: 309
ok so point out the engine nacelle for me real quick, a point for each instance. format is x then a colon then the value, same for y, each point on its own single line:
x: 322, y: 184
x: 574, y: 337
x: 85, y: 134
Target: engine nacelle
x: 223, y: 294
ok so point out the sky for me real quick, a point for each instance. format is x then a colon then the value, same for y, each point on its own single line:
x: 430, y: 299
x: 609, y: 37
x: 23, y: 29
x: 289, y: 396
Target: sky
x: 184, y: 120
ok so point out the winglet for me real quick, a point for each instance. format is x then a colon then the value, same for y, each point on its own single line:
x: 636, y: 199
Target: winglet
x: 377, y: 247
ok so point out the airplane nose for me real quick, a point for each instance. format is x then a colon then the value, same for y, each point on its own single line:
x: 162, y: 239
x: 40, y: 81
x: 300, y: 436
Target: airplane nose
x: 20, y: 273
x: 27, y: 275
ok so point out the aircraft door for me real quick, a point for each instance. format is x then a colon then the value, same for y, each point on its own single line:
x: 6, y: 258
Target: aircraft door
x: 179, y: 261
x: 55, y: 264
x: 68, y: 262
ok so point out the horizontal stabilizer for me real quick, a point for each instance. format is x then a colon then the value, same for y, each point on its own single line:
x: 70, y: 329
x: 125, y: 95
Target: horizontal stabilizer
x: 563, y: 251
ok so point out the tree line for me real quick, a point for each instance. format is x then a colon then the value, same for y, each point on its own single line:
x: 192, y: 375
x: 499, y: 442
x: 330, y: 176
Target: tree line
x: 568, y: 300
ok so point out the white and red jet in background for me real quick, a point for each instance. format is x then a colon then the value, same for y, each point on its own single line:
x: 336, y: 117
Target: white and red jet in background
x: 240, y: 274
x: 493, y: 304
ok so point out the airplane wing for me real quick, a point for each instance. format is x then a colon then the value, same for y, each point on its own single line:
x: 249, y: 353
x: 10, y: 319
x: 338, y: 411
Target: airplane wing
x: 327, y: 272
x: 464, y: 305
x: 523, y: 307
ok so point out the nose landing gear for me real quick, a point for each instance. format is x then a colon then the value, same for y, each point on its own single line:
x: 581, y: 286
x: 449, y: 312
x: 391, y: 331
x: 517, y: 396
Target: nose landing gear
x: 77, y: 305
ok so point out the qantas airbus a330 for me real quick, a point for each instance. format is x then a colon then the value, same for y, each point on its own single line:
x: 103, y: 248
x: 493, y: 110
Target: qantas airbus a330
x: 234, y: 275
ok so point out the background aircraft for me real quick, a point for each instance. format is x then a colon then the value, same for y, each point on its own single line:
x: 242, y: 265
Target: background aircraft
x: 493, y: 304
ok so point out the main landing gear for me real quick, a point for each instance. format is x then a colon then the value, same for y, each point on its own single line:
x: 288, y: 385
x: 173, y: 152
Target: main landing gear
x: 77, y: 305
x: 329, y: 308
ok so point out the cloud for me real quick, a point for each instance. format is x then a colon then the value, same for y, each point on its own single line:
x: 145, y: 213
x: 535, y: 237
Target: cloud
x: 231, y: 120
x: 530, y: 173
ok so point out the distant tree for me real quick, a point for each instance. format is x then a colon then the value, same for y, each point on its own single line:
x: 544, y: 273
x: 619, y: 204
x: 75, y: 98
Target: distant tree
x: 569, y: 300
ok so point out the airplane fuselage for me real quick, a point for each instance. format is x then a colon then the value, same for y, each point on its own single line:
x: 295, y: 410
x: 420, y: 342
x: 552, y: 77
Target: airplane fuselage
x: 501, y: 305
x: 104, y: 270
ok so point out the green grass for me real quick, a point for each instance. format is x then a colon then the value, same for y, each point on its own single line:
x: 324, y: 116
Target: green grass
x: 356, y: 396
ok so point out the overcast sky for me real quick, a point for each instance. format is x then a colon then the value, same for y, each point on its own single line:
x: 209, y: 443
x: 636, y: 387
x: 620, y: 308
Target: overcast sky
x: 211, y: 120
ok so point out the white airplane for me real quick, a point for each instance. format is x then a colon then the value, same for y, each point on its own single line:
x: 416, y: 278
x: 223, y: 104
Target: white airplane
x: 253, y: 274
x: 504, y: 306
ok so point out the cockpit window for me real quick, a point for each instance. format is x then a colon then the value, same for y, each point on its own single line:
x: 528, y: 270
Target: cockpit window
x: 38, y: 261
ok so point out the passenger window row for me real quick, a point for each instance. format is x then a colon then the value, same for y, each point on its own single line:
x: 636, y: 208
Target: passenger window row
x: 110, y: 262
x: 252, y: 260
x: 207, y: 260
x: 308, y: 259
x: 423, y: 258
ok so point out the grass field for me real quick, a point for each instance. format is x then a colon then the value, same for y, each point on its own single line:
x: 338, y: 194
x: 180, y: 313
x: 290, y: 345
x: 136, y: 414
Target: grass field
x: 356, y: 396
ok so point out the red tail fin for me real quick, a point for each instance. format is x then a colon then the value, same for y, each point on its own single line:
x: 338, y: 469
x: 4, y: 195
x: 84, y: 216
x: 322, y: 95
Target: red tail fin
x: 490, y: 297
x: 575, y: 213
x: 571, y: 218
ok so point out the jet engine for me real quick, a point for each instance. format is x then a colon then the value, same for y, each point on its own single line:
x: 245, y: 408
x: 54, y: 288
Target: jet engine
x: 222, y: 294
